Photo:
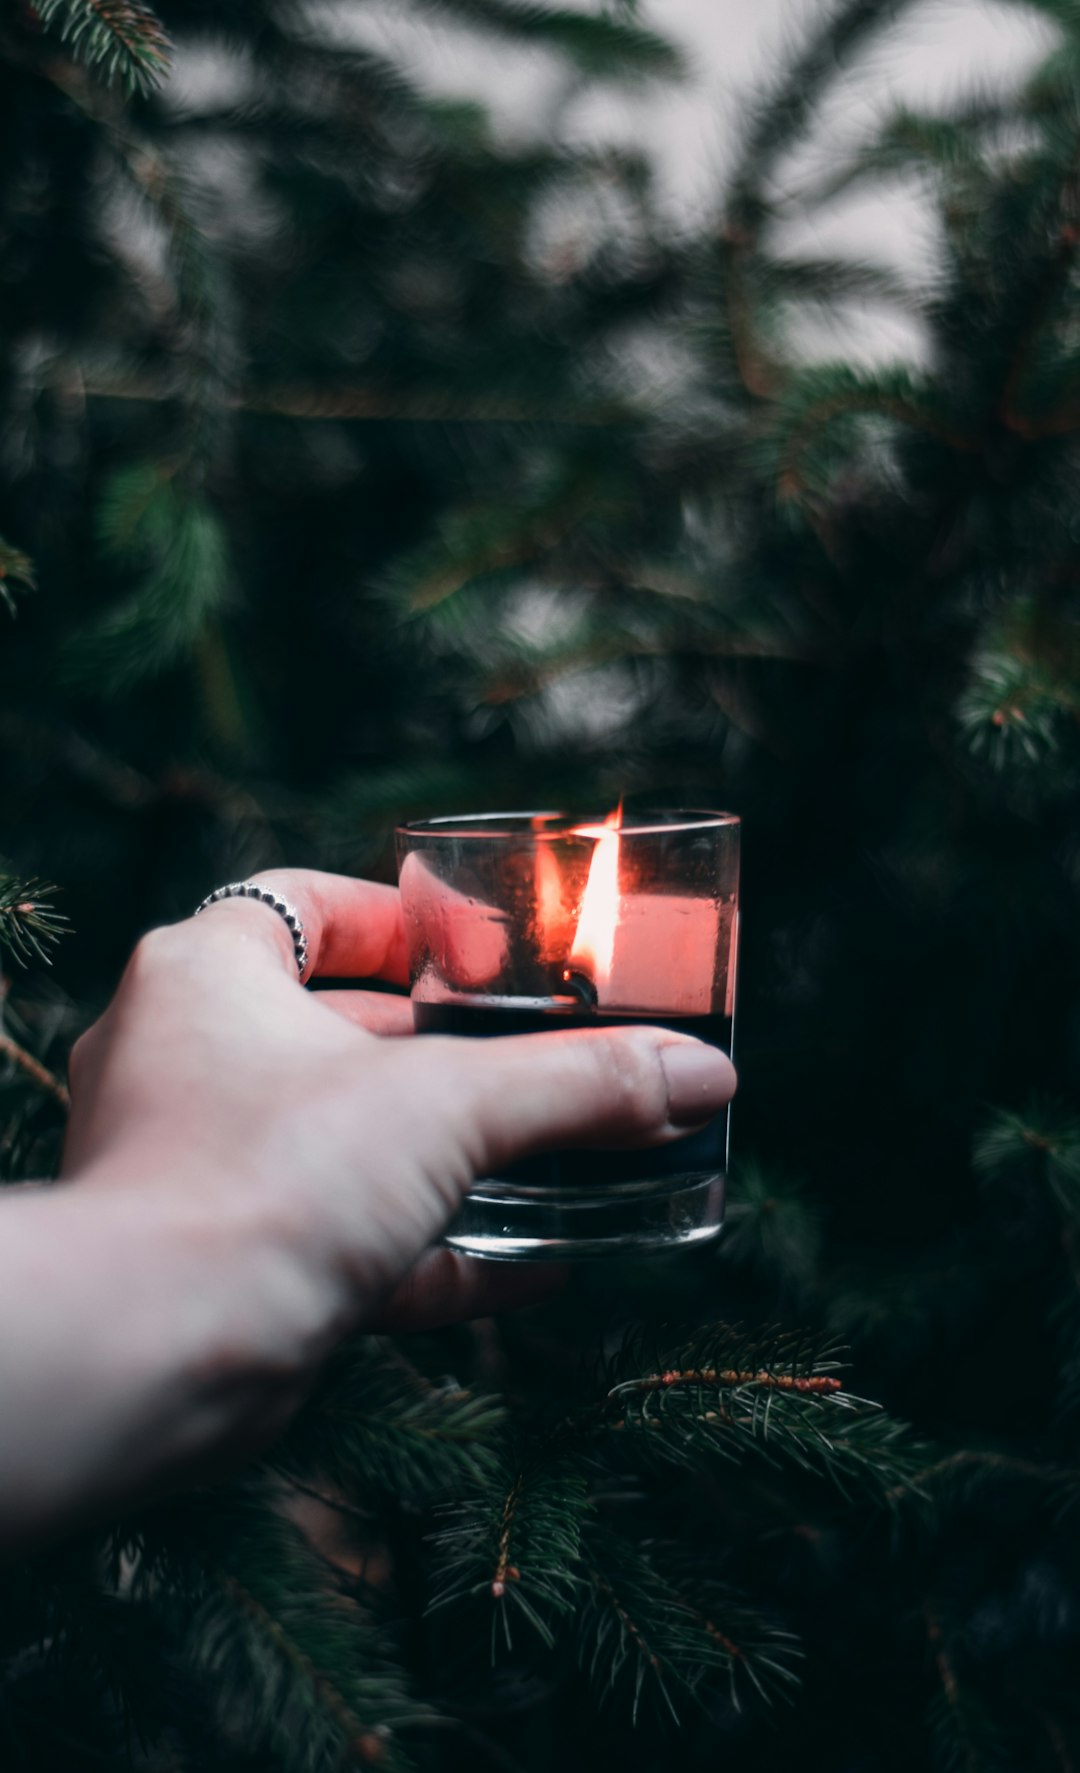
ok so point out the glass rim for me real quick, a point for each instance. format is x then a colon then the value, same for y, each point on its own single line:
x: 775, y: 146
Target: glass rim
x: 518, y: 824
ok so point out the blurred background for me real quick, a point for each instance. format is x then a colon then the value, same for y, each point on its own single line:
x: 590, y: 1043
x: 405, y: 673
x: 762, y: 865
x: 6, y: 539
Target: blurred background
x: 457, y: 404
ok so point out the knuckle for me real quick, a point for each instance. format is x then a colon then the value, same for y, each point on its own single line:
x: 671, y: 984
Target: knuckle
x: 156, y: 949
x: 81, y: 1055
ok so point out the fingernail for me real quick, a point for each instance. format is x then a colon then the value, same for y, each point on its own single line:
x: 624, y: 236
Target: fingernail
x: 700, y: 1081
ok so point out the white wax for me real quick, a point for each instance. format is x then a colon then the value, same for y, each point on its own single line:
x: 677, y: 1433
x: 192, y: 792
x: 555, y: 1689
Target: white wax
x: 664, y: 956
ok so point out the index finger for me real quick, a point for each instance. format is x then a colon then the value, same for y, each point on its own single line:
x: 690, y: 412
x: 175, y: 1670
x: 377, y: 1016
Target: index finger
x: 354, y: 928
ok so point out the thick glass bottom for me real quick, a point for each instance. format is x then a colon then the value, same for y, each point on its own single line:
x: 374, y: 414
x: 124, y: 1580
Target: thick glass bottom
x: 516, y: 1223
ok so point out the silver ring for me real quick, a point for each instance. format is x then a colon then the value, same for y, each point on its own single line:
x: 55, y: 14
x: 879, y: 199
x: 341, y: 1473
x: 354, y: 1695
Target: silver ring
x: 250, y: 889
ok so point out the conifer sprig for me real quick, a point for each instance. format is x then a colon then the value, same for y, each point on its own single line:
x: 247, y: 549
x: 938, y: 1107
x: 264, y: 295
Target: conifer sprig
x: 30, y: 925
x: 287, y: 1659
x: 16, y: 573
x: 378, y: 1430
x: 646, y: 1625
x: 516, y: 1538
x: 121, y: 40
x: 776, y: 1397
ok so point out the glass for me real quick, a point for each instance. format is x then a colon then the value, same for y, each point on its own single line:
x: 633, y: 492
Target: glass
x: 523, y: 922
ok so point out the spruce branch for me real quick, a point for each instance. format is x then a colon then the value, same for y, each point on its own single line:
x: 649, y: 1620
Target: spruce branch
x: 599, y: 46
x: 773, y: 1229
x: 780, y: 117
x: 159, y: 530
x: 377, y: 1430
x: 294, y: 1667
x: 1041, y: 1141
x: 122, y: 40
x: 815, y: 399
x: 30, y: 924
x: 964, y: 1737
x: 1016, y: 711
x: 32, y: 1068
x: 737, y: 1396
x: 651, y: 1625
x: 516, y: 1539
x: 16, y: 573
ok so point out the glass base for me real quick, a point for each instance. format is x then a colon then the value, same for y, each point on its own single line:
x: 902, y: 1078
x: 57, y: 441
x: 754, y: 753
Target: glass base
x: 520, y: 1224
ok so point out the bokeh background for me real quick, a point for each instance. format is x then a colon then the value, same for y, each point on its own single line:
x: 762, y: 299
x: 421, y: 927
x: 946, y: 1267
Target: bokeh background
x: 430, y: 407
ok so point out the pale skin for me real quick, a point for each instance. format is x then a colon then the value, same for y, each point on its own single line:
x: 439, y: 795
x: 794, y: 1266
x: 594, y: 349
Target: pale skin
x: 253, y: 1170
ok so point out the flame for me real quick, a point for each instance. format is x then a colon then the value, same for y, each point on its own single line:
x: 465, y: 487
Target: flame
x: 594, y: 942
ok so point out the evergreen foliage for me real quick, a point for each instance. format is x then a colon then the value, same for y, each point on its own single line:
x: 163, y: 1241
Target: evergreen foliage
x: 327, y: 450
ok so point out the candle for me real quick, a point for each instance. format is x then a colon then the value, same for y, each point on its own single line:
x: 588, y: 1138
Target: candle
x: 521, y: 924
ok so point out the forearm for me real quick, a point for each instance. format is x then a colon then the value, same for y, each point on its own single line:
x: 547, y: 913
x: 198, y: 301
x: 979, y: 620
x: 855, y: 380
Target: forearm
x: 135, y: 1348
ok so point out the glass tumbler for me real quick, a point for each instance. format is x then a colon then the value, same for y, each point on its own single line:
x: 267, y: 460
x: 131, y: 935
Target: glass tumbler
x: 523, y: 922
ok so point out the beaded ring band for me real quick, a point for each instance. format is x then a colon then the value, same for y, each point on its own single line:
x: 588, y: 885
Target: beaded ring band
x: 250, y: 889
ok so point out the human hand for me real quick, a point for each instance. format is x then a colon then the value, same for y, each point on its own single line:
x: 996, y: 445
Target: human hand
x: 297, y: 1161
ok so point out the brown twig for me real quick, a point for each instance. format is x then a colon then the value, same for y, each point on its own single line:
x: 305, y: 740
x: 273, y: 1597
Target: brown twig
x: 505, y: 1571
x: 813, y: 1384
x: 33, y: 1068
x: 1000, y: 1462
x: 627, y: 1621
x: 363, y: 1741
x: 790, y: 484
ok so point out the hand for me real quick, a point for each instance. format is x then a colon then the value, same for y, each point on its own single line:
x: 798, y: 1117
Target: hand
x: 269, y: 1164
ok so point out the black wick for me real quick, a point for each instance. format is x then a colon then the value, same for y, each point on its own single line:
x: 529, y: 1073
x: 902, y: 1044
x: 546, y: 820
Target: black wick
x: 581, y: 986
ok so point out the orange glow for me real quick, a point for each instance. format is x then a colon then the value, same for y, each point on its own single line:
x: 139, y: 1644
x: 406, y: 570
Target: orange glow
x: 594, y: 942
x: 551, y: 921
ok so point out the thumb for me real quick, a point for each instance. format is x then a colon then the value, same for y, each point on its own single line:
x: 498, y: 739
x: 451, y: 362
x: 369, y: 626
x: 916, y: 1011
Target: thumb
x: 512, y: 1096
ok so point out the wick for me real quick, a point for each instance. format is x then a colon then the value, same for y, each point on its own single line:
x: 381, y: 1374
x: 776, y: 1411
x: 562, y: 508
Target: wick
x: 581, y: 986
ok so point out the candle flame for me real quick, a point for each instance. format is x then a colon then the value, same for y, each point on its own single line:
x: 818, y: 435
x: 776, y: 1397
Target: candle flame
x: 594, y: 941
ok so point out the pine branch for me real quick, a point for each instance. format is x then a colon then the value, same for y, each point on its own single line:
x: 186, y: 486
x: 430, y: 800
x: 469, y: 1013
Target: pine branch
x: 377, y: 1430
x: 32, y: 1068
x: 817, y: 398
x: 154, y: 528
x: 964, y: 1738
x: 780, y: 118
x: 1016, y: 712
x: 601, y: 47
x: 16, y: 573
x: 649, y: 1627
x: 1042, y: 1141
x: 294, y: 1668
x: 29, y: 924
x: 736, y: 1396
x: 121, y: 40
x: 772, y: 1228
x: 516, y: 1539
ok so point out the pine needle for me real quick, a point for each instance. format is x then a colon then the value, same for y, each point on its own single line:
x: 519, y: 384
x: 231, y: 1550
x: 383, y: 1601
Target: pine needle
x: 30, y: 925
x: 121, y: 40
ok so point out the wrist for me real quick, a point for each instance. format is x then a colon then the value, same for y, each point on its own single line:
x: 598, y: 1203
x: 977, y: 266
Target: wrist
x: 169, y: 1346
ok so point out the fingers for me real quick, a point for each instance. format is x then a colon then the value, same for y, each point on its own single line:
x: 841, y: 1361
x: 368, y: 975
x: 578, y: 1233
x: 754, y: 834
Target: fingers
x: 465, y: 939
x: 380, y: 1012
x: 509, y: 1097
x: 444, y: 1287
x: 354, y: 927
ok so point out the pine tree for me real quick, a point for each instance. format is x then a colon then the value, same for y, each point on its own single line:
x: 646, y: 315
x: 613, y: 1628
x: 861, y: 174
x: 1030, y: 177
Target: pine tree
x: 342, y: 402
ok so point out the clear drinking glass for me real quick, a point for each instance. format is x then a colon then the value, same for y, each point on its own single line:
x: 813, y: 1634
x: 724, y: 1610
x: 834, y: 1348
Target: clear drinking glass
x: 521, y: 922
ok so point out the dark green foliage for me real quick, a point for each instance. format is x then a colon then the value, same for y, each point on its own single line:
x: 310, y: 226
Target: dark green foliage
x: 347, y: 500
x: 376, y: 1427
x: 121, y: 40
x: 654, y: 1625
x: 29, y: 923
